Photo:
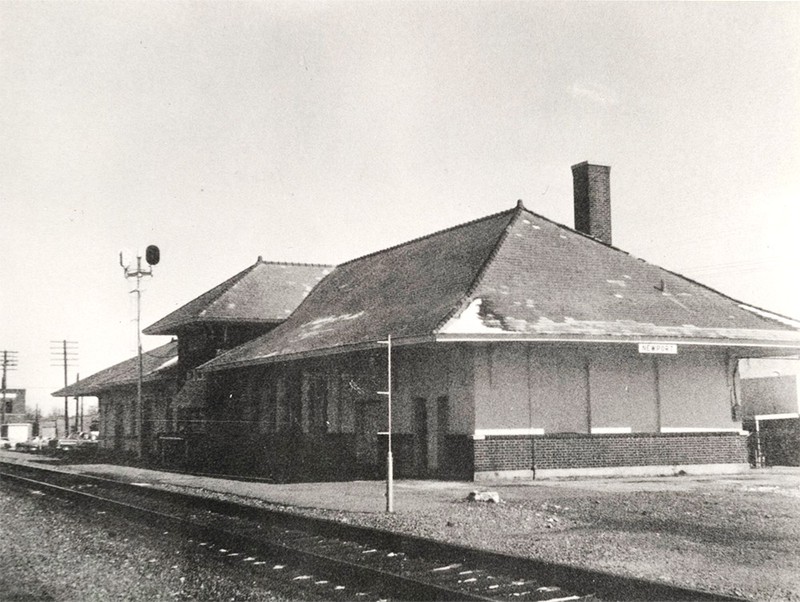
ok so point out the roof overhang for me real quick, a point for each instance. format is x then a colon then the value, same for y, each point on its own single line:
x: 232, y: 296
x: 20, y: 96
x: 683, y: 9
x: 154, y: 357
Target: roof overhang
x: 626, y: 340
x: 154, y: 378
x: 313, y: 354
x: 176, y: 328
x: 742, y: 348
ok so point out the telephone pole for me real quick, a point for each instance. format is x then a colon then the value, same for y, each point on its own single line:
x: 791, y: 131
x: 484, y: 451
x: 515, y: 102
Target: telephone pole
x: 77, y: 408
x: 64, y: 353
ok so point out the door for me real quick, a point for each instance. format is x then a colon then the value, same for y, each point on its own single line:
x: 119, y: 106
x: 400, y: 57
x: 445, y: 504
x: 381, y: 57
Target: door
x: 421, y: 437
x: 119, y: 429
x: 442, y: 426
x: 369, y: 420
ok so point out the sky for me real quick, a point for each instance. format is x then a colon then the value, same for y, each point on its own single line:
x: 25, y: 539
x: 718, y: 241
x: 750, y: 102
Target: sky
x: 323, y: 131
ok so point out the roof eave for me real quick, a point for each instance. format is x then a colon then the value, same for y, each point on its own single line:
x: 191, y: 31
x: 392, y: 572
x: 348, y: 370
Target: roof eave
x: 315, y: 353
x: 95, y: 390
x: 176, y: 328
x: 610, y: 339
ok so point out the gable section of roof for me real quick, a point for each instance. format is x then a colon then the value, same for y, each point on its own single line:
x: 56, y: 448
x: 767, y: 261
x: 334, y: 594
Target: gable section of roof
x: 546, y: 279
x: 157, y: 364
x: 263, y: 292
x: 406, y: 290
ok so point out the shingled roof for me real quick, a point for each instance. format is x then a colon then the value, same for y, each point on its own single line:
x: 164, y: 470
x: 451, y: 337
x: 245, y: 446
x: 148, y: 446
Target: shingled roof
x: 514, y: 275
x: 266, y: 292
x: 157, y: 364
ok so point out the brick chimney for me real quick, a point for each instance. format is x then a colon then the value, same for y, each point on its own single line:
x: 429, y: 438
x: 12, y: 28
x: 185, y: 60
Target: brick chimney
x: 591, y: 189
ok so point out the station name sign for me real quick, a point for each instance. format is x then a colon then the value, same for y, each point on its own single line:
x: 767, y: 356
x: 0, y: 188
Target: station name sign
x: 663, y: 348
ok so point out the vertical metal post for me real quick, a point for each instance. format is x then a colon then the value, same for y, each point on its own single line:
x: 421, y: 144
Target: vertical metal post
x: 79, y: 403
x: 139, y: 410
x: 3, y: 401
x: 758, y: 445
x: 389, y: 460
x: 77, y: 406
x: 64, y: 353
x: 152, y: 257
x: 66, y: 398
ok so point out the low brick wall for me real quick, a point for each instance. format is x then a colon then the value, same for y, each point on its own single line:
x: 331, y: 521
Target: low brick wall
x: 570, y: 451
x: 502, y: 454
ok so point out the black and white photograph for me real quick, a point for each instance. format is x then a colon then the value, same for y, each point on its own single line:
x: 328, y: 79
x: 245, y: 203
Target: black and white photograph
x: 372, y: 300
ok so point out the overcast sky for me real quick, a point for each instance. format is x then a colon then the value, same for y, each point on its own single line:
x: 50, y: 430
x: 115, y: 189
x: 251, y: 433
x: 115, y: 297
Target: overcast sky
x: 321, y: 131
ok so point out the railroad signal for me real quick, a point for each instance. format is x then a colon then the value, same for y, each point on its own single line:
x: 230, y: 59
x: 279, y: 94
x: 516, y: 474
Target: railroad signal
x: 152, y: 257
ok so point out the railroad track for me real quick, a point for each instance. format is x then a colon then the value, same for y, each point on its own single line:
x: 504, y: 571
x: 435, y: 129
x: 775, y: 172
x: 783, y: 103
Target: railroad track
x: 372, y: 563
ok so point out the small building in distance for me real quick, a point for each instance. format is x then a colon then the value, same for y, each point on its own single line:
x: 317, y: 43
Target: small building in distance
x: 14, y: 424
x: 12, y: 406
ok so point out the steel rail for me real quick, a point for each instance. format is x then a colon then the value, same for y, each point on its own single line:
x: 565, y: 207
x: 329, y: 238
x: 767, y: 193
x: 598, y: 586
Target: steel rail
x: 606, y: 586
x: 401, y: 587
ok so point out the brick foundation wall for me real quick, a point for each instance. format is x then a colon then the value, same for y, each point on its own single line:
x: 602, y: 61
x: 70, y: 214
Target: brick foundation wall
x: 503, y: 453
x: 495, y: 454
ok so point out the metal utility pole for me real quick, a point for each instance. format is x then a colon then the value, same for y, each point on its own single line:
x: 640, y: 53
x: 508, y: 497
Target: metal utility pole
x: 64, y: 353
x: 80, y: 398
x: 77, y: 406
x: 389, y: 461
x: 152, y: 256
x: 9, y: 363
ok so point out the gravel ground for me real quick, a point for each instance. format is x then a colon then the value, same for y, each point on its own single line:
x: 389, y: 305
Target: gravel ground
x: 727, y: 535
x: 735, y: 534
x: 54, y: 552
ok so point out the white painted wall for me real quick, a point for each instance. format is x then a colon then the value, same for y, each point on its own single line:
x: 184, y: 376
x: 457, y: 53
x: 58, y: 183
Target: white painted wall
x: 549, y: 388
x: 559, y: 390
x: 696, y: 388
x: 622, y: 385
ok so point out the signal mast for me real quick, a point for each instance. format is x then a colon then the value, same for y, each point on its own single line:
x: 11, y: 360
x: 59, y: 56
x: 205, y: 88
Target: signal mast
x: 152, y: 257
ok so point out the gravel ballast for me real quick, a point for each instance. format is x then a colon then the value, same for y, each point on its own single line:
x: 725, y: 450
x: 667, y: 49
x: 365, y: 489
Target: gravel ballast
x: 54, y: 551
x: 736, y: 535
x: 732, y: 534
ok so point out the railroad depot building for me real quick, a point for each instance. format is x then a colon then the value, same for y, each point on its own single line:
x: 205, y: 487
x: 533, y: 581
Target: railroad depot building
x: 173, y: 394
x: 521, y: 348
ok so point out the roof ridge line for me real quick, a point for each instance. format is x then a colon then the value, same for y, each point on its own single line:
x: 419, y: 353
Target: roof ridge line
x: 517, y: 211
x: 294, y: 263
x: 419, y: 238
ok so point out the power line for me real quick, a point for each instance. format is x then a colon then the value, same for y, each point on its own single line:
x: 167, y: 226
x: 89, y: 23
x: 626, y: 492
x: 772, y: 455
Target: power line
x: 64, y: 353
